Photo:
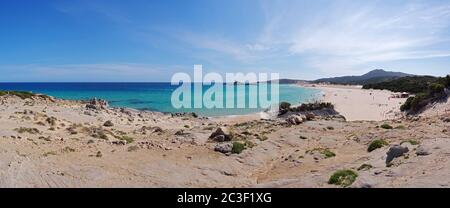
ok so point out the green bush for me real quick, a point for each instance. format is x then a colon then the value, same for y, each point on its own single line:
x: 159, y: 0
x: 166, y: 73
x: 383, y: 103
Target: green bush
x: 285, y: 105
x: 127, y: 139
x: 386, y: 126
x: 237, y: 148
x: 417, y: 84
x: 411, y: 141
x: 447, y: 81
x: 376, y: 144
x: 435, y: 88
x: 419, y: 101
x: 326, y: 152
x: 343, y: 178
x: 20, y: 94
x: 365, y: 167
x: 313, y: 106
x: 407, y: 105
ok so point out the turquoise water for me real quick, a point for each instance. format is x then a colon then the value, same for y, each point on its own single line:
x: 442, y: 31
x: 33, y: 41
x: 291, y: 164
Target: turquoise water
x: 155, y: 96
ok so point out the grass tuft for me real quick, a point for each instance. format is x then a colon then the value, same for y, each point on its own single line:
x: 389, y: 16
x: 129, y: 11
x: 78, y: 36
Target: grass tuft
x: 343, y: 178
x: 376, y: 144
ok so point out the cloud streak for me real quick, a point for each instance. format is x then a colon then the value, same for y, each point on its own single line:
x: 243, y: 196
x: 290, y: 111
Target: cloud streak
x: 344, y: 37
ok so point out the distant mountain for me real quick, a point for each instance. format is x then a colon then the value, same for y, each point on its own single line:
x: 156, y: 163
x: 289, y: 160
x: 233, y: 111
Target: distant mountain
x: 375, y: 76
x: 288, y: 81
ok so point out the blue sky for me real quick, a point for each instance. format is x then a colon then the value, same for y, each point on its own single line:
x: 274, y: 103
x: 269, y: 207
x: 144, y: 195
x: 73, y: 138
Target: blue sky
x: 141, y: 40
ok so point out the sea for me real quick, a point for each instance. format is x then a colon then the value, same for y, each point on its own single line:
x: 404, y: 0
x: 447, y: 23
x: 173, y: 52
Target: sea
x: 157, y: 96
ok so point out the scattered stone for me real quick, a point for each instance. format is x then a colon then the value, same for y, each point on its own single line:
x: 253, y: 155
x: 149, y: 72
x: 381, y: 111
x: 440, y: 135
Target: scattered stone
x: 157, y: 129
x: 222, y: 134
x: 133, y: 148
x: 108, y: 124
x: 310, y: 116
x: 97, y: 104
x: 422, y: 151
x: 51, y: 120
x: 28, y: 130
x: 295, y: 119
x: 126, y: 112
x: 394, y: 152
x: 99, y: 154
x: 119, y: 142
x: 181, y: 133
x: 223, y: 148
x: 219, y: 138
x: 364, y: 181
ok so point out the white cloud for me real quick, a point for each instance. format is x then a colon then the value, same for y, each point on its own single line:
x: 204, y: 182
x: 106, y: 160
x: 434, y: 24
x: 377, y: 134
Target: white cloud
x: 346, y: 36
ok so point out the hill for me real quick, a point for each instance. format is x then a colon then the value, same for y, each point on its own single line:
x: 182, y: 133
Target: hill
x: 374, y: 76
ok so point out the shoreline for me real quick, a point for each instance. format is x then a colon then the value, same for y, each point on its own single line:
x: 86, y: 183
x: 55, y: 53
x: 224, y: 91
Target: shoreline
x: 351, y: 101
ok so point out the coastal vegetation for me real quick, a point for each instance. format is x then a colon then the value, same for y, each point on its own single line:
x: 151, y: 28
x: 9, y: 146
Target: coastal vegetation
x: 324, y: 151
x: 343, y: 178
x: 365, y: 167
x: 427, y: 89
x: 238, y: 147
x: 386, y: 126
x: 286, y: 107
x: 379, y: 143
x: 21, y: 94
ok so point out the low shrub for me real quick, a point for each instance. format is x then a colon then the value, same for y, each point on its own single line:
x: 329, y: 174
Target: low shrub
x: 343, y: 178
x: 365, y: 167
x: 411, y: 141
x: 376, y: 144
x: 237, y: 148
x: 326, y: 152
x: 386, y: 126
x: 127, y: 139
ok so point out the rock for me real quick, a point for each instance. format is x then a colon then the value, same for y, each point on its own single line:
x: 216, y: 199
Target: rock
x: 310, y: 116
x: 407, y: 145
x: 364, y: 181
x: 446, y: 119
x: 295, y: 119
x: 108, y: 124
x: 157, y: 129
x: 181, y: 133
x: 132, y: 148
x: 219, y: 138
x: 99, y: 154
x: 222, y: 134
x: 223, y: 148
x: 119, y: 142
x: 394, y: 152
x: 127, y: 112
x: 97, y: 104
x: 422, y: 151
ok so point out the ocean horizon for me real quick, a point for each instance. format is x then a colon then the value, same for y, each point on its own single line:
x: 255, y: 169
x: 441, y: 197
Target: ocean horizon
x: 156, y: 96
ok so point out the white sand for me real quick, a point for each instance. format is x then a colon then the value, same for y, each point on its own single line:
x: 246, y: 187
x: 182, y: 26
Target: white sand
x: 356, y: 103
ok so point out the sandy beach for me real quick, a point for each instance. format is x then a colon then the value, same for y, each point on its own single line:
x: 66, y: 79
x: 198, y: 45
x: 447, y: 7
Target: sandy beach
x: 356, y: 103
